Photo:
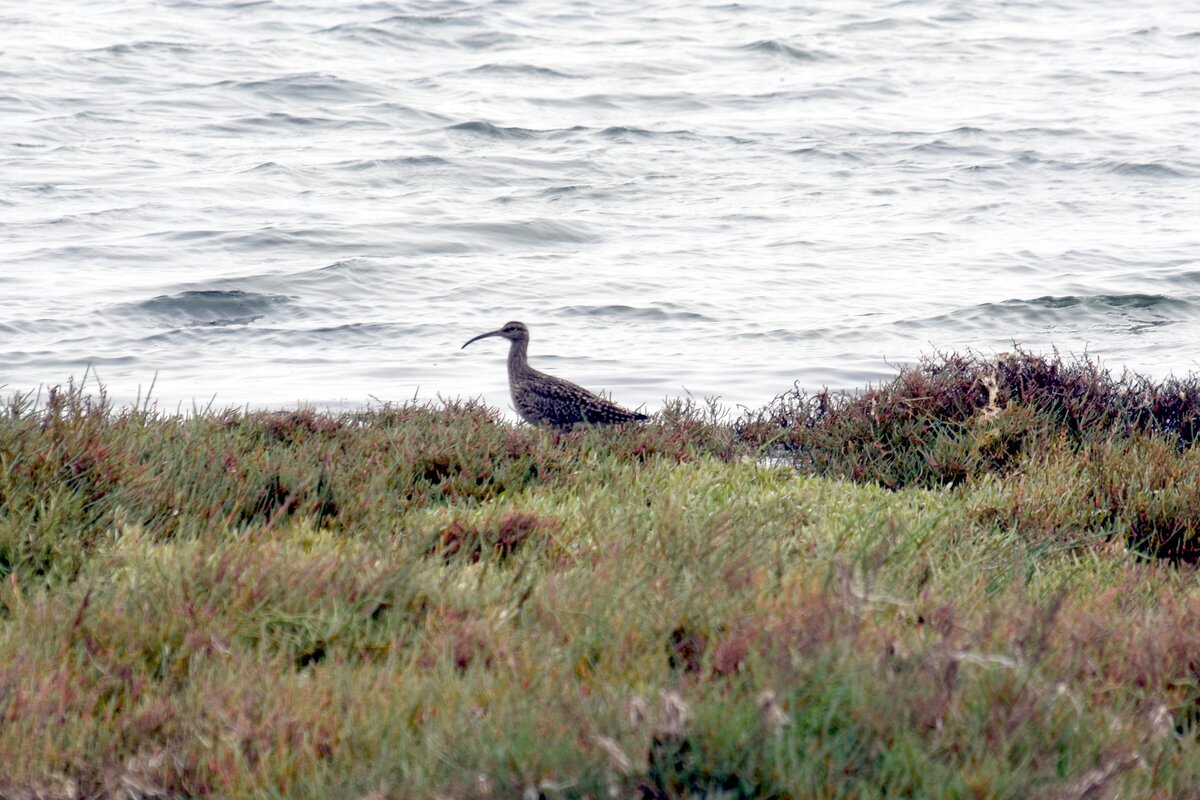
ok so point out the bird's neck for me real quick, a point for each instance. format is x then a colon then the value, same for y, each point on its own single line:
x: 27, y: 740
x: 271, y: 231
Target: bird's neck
x: 518, y: 359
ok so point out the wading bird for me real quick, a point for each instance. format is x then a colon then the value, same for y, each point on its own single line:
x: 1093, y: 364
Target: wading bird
x: 542, y: 399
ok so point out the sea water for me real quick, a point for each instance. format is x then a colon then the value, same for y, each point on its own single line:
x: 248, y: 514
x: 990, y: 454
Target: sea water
x: 271, y: 203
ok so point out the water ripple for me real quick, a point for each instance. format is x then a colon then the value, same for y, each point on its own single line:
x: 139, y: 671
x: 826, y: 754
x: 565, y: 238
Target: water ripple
x: 776, y: 48
x: 207, y: 307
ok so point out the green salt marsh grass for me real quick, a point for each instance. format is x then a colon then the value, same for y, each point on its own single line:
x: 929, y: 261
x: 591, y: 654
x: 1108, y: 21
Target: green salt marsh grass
x: 975, y: 581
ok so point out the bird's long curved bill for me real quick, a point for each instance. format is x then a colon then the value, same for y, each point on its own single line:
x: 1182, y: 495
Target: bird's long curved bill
x: 481, y: 336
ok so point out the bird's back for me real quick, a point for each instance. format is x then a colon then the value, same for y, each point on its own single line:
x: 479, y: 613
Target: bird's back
x: 545, y: 400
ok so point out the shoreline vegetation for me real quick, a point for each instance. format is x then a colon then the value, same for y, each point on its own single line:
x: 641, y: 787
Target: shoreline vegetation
x: 976, y: 580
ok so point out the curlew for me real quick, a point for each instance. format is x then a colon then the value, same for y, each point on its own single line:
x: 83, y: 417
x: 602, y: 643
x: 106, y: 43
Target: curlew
x: 542, y: 399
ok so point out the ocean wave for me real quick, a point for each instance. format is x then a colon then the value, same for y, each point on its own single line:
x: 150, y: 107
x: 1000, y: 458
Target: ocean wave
x: 813, y: 151
x: 278, y: 120
x: 37, y: 327
x: 266, y: 238
x: 1146, y: 170
x: 521, y: 71
x: 149, y: 46
x: 207, y: 307
x: 310, y: 86
x: 354, y: 276
x: 352, y: 334
x: 885, y: 24
x: 376, y: 36
x: 777, y: 48
x: 534, y: 231
x: 1112, y: 311
x: 489, y: 40
x: 468, y: 20
x: 1155, y: 170
x: 388, y: 164
x: 658, y: 313
x: 487, y: 129
x: 626, y: 132
x: 271, y: 168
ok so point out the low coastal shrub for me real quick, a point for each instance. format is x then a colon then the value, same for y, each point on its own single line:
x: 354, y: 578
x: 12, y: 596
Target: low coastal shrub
x: 1068, y: 453
x: 76, y: 468
x: 979, y: 582
x: 1143, y: 492
x: 951, y: 418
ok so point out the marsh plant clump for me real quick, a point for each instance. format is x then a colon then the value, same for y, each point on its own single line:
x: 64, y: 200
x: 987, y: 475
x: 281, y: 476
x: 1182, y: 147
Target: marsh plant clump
x: 976, y: 580
x: 1071, y: 449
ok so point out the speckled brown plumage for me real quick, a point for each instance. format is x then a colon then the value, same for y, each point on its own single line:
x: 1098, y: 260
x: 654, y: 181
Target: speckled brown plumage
x: 542, y: 399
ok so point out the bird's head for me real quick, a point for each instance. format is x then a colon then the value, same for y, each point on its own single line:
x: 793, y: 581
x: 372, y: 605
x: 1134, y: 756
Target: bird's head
x: 513, y: 331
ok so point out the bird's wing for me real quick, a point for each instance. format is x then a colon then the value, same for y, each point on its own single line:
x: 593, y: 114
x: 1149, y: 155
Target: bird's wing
x: 597, y: 409
x: 564, y: 403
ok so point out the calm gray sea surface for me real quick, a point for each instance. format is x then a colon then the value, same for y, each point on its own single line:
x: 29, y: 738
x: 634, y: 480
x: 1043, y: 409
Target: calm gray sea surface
x: 272, y: 202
